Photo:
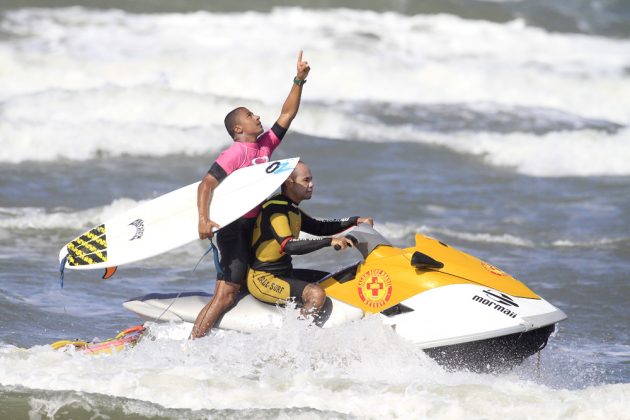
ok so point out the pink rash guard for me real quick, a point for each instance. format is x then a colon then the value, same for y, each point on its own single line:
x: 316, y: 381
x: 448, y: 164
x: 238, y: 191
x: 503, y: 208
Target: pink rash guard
x: 240, y: 155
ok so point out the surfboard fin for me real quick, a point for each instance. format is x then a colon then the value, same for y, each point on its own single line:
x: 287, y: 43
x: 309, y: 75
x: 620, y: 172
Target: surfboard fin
x: 109, y: 271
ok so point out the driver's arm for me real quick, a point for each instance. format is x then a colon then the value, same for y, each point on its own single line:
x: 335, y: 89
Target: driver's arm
x: 327, y: 227
x: 290, y: 245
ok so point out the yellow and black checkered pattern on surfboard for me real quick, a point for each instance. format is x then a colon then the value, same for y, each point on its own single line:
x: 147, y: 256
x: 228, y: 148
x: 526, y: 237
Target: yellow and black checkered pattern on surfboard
x: 89, y: 248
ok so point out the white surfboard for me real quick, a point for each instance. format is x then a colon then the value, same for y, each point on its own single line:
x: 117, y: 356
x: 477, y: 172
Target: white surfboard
x: 171, y: 220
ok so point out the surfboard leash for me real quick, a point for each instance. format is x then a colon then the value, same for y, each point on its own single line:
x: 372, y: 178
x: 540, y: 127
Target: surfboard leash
x: 169, y: 306
x: 62, y: 269
x: 215, y: 254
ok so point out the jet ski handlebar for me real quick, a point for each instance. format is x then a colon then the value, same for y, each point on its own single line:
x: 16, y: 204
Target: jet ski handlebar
x: 354, y: 241
x: 364, y: 238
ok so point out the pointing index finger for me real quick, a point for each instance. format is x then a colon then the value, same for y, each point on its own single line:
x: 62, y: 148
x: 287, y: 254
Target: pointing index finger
x: 300, y: 57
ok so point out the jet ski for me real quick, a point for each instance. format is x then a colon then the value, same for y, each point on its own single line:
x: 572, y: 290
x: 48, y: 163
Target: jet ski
x: 460, y: 310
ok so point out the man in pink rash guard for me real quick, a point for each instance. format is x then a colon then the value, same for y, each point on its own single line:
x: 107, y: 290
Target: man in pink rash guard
x: 251, y: 146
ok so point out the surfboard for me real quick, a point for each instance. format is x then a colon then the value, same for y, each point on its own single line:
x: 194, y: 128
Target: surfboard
x: 171, y: 220
x: 125, y: 339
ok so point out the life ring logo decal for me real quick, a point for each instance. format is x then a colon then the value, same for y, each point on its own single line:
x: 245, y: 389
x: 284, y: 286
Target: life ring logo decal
x: 260, y: 160
x: 375, y: 288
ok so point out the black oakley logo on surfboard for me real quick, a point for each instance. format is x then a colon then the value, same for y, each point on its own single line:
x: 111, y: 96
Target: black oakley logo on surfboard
x: 278, y: 167
x: 139, y: 225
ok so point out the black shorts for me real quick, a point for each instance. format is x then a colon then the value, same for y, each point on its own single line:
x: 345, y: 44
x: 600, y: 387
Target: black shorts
x: 234, y: 242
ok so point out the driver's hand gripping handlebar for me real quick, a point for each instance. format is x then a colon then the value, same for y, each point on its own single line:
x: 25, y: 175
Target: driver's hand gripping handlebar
x: 351, y: 238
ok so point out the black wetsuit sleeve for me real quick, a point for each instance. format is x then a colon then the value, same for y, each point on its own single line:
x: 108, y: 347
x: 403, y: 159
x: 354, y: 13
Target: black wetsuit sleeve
x: 326, y: 227
x: 218, y: 172
x: 278, y: 130
x: 304, y: 246
x: 288, y: 245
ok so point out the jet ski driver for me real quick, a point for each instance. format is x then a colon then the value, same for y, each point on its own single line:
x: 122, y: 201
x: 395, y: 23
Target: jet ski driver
x: 271, y: 277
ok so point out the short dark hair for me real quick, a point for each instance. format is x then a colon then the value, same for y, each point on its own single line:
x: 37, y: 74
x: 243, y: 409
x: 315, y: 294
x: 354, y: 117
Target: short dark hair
x: 231, y: 119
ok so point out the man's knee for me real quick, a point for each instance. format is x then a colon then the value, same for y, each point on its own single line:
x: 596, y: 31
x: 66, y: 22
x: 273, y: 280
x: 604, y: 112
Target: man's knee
x: 226, y: 293
x: 314, y: 296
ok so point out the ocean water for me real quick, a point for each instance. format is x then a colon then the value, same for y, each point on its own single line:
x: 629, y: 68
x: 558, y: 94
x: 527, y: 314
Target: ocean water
x: 499, y: 127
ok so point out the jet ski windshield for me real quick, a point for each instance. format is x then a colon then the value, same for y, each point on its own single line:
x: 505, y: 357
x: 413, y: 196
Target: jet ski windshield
x: 365, y: 238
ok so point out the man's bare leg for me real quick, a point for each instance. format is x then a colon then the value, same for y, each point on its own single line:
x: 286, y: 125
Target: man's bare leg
x: 225, y: 294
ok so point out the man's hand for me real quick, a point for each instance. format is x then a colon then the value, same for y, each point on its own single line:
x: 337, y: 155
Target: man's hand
x: 204, y: 197
x: 367, y: 220
x: 302, y: 67
x: 341, y: 243
x: 292, y: 103
x: 205, y: 228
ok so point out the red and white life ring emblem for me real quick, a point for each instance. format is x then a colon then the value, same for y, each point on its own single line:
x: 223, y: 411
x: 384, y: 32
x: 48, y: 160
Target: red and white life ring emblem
x: 375, y: 288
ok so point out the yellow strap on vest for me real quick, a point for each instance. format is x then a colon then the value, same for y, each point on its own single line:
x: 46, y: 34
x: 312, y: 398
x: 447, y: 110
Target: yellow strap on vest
x: 285, y: 203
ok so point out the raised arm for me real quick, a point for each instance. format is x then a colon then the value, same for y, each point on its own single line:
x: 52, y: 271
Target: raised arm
x: 292, y: 103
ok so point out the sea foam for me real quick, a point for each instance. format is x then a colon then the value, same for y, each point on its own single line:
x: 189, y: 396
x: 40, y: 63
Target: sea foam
x: 164, y: 82
x: 343, y: 370
x: 40, y: 218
